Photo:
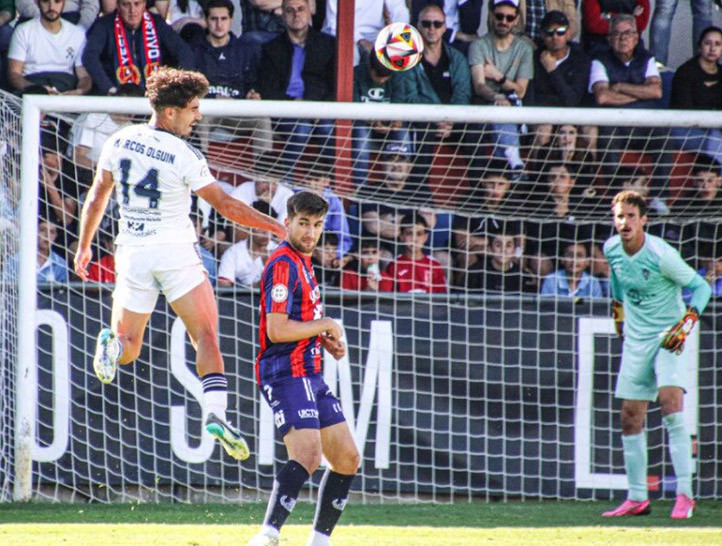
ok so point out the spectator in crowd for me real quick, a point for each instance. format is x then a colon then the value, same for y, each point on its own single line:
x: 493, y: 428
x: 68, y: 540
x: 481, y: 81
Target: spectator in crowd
x: 537, y: 10
x: 697, y: 85
x: 439, y: 224
x: 370, y: 16
x: 561, y: 71
x: 300, y: 64
x: 231, y: 66
x: 103, y: 269
x: 326, y: 263
x: 57, y: 195
x: 491, y: 181
x: 364, y: 271
x: 442, y: 77
x: 243, y: 262
x: 373, y: 82
x: 559, y: 195
x: 597, y: 16
x: 502, y: 65
x: 705, y: 199
x: 380, y: 220
x: 501, y: 272
x: 463, y: 18
x: 79, y: 12
x: 46, y: 51
x: 635, y: 178
x: 626, y: 76
x: 7, y: 16
x: 566, y: 146
x: 52, y: 267
x: 661, y: 28
x: 414, y: 270
x: 318, y: 178
x: 573, y: 279
x: 90, y: 131
x: 711, y: 269
x: 128, y: 45
x: 470, y: 244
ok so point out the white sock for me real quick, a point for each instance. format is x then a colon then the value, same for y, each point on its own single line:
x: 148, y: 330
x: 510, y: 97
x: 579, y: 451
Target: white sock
x: 270, y: 531
x: 215, y: 402
x: 318, y: 539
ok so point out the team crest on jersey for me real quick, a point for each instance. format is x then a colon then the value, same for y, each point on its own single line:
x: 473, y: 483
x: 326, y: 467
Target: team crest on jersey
x: 279, y: 293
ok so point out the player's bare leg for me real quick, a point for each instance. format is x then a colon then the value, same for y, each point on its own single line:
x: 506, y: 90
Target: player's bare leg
x: 634, y: 441
x: 671, y: 402
x: 119, y: 344
x: 340, y: 450
x: 199, y: 312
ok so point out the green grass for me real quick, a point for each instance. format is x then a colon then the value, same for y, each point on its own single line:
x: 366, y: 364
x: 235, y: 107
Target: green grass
x: 542, y: 523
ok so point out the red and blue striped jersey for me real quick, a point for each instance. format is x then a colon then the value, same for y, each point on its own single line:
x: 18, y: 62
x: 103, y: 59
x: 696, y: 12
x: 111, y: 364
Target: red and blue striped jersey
x: 289, y: 286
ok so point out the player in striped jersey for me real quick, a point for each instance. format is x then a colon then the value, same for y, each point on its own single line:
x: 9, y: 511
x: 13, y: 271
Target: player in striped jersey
x: 153, y: 171
x: 293, y: 332
x: 647, y: 277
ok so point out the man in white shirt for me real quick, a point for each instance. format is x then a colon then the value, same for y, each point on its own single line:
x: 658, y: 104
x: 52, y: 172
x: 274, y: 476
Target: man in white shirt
x: 47, y: 51
x: 243, y: 262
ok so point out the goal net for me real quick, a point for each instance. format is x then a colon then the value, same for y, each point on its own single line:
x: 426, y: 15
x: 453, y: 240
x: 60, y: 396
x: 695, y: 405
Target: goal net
x: 498, y: 384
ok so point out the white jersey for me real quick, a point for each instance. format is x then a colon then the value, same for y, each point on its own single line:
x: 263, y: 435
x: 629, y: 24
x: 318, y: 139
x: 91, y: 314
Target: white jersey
x: 154, y: 172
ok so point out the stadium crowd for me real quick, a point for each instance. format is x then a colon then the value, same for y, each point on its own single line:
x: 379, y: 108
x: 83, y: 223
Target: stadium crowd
x: 556, y: 179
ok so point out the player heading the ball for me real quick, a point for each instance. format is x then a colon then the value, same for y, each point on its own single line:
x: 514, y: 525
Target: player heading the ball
x: 647, y: 277
x: 153, y: 171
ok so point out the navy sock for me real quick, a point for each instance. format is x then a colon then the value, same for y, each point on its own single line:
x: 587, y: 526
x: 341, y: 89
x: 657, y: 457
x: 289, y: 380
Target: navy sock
x: 332, y: 497
x: 286, y: 487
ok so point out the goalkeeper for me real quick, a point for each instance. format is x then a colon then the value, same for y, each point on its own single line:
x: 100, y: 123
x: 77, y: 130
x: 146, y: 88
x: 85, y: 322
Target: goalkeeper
x: 647, y: 277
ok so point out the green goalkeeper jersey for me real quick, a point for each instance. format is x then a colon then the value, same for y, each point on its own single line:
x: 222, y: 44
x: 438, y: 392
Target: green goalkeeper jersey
x: 649, y: 284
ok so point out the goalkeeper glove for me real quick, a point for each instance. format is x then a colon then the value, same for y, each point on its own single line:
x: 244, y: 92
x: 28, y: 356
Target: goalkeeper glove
x: 675, y: 336
x: 618, y: 314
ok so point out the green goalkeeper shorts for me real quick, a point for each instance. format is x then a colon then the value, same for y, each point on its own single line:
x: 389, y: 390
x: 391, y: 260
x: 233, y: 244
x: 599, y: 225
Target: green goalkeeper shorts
x: 646, y: 367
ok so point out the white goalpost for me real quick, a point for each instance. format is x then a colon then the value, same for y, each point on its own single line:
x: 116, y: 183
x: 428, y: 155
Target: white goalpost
x: 467, y: 394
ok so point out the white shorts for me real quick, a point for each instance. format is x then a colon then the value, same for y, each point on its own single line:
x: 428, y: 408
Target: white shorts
x: 141, y: 272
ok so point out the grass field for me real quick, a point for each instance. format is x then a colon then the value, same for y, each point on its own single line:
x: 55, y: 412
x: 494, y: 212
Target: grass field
x: 528, y: 523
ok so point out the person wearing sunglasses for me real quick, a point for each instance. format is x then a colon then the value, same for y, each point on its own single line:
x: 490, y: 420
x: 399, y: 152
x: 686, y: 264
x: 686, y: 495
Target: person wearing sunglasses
x: 442, y: 77
x: 561, y: 71
x: 502, y: 65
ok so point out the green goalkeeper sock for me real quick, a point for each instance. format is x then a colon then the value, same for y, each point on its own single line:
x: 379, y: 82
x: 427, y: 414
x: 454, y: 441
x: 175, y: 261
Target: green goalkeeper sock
x: 635, y: 463
x: 680, y: 450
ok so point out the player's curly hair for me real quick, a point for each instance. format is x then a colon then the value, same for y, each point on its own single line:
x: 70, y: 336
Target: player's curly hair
x: 306, y: 202
x: 633, y: 198
x: 174, y: 88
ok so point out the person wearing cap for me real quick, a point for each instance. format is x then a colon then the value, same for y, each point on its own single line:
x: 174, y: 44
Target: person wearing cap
x: 561, y: 71
x: 374, y: 83
x: 502, y: 65
x: 537, y: 9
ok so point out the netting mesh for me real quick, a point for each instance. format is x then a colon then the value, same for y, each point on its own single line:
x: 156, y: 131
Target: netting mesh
x: 473, y: 392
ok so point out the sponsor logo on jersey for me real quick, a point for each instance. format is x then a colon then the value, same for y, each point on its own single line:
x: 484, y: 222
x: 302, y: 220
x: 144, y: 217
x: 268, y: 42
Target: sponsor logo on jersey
x: 308, y: 414
x: 287, y: 502
x: 403, y: 272
x: 280, y: 419
x: 339, y: 504
x: 279, y: 293
x: 645, y: 274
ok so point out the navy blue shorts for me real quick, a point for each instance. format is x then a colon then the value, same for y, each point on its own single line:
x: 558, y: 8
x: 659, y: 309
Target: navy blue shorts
x: 302, y: 402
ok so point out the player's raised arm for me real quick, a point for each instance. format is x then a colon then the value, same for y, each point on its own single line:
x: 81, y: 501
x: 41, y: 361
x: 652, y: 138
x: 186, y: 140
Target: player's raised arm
x: 238, y: 211
x: 90, y: 218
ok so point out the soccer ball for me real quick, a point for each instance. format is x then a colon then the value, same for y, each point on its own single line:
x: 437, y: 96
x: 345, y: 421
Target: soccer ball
x: 399, y: 46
